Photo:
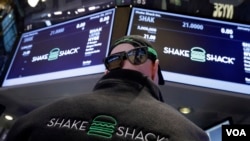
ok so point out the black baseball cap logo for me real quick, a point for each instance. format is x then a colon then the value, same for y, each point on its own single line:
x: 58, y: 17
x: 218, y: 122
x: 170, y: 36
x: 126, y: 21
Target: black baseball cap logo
x: 103, y: 126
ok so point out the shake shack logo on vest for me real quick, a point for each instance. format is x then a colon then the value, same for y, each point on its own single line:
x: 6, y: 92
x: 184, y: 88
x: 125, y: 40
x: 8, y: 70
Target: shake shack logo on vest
x: 104, y: 126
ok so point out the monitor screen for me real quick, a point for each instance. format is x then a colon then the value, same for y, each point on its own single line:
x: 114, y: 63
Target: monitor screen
x: 69, y: 49
x: 197, y: 51
x: 215, y: 131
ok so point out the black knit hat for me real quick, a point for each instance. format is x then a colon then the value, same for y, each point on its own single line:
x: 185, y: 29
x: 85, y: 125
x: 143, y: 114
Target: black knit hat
x: 138, y: 41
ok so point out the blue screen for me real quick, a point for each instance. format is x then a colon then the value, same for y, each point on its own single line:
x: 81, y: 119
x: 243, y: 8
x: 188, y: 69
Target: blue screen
x: 197, y: 51
x: 69, y: 49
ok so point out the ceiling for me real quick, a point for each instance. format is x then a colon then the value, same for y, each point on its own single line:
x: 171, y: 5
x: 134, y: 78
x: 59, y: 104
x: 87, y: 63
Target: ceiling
x: 209, y: 106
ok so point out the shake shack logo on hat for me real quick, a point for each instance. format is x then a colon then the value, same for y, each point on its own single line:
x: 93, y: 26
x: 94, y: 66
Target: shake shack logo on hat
x: 105, y: 126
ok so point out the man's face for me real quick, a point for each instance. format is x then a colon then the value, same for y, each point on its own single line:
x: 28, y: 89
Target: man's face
x: 147, y: 68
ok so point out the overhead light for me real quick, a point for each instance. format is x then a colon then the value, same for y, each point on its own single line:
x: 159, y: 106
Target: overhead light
x: 81, y: 10
x: 33, y: 3
x: 92, y: 8
x: 8, y: 117
x: 185, y: 110
x: 97, y: 7
x: 58, y: 13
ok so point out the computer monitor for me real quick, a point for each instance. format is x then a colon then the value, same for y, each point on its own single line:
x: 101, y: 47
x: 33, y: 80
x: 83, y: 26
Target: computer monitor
x: 69, y: 49
x: 197, y: 51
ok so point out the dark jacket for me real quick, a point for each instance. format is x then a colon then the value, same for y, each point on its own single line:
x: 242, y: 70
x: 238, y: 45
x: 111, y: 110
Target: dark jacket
x: 124, y: 106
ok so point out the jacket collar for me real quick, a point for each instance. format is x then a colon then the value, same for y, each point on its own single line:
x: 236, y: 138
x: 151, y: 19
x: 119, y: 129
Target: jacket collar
x: 131, y: 77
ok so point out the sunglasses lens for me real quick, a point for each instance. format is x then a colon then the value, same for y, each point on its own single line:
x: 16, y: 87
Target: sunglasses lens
x: 137, y: 56
x: 113, y: 62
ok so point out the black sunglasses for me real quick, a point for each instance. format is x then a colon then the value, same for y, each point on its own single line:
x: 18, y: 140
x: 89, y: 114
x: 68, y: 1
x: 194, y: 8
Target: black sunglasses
x: 136, y: 56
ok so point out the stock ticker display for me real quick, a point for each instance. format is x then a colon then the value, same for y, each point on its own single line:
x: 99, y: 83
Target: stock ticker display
x: 197, y: 51
x: 72, y: 48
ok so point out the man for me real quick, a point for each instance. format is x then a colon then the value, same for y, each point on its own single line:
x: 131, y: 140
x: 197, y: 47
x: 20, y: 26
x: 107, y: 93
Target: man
x: 125, y: 104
